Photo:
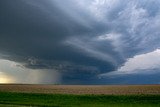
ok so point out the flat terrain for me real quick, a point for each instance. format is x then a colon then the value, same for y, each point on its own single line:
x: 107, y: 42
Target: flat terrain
x: 8, y: 99
x: 83, y: 89
x: 79, y: 96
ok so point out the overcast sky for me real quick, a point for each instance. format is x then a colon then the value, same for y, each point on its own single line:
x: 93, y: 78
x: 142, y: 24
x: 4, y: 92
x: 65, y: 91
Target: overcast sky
x: 80, y: 41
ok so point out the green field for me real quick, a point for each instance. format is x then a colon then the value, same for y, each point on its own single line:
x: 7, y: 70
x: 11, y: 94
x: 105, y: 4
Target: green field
x: 8, y: 99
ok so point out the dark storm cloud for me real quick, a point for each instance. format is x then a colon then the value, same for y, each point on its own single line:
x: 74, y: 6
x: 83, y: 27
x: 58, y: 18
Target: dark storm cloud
x: 133, y: 79
x: 80, y: 39
x: 32, y: 33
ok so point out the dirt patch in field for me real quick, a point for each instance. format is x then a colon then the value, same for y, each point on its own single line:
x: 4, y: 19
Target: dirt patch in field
x: 83, y: 89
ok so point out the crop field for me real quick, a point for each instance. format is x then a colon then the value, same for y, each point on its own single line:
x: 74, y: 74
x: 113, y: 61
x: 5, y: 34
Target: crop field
x: 79, y: 96
x: 83, y: 89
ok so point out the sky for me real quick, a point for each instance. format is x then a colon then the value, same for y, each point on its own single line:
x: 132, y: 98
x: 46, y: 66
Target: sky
x: 80, y: 41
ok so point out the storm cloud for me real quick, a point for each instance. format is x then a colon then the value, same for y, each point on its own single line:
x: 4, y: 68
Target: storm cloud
x: 79, y: 41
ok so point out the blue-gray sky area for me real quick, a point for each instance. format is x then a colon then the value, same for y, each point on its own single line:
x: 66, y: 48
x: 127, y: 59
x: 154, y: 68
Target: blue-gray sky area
x: 80, y: 41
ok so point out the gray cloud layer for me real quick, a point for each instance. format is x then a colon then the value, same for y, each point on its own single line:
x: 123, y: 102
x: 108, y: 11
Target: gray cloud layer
x: 80, y: 39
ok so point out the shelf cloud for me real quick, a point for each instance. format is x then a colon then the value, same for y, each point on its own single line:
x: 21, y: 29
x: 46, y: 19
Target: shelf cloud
x: 78, y: 41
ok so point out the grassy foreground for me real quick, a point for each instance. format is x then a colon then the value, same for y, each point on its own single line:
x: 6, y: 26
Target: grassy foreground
x: 59, y: 100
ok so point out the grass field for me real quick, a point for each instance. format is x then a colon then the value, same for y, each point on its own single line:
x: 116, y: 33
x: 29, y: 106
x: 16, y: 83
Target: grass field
x: 52, y: 100
x: 37, y: 96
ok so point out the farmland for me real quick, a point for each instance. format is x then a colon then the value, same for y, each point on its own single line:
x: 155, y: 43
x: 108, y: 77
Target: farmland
x: 83, y: 89
x: 80, y: 95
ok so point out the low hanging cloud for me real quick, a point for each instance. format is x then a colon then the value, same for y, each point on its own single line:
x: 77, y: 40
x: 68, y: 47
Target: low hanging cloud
x: 148, y: 63
x: 12, y: 72
x: 79, y: 39
x: 142, y: 62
